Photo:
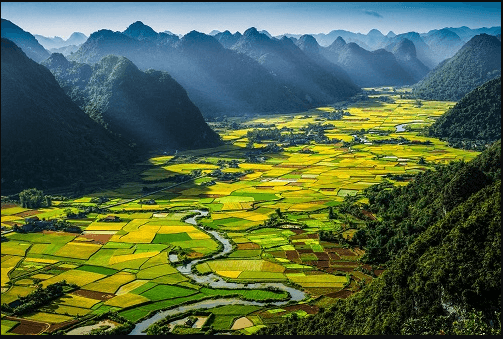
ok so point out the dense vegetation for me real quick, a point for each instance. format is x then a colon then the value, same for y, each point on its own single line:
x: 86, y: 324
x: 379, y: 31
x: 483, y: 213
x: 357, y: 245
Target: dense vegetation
x: 147, y: 108
x: 40, y: 296
x: 47, y: 140
x: 446, y: 274
x: 477, y: 62
x: 475, y: 120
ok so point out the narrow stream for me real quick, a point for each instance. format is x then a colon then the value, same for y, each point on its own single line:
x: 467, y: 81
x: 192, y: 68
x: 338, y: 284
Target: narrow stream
x: 214, y: 281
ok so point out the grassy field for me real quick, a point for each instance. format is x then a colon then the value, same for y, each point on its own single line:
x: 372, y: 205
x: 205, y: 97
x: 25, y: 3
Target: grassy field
x: 125, y: 265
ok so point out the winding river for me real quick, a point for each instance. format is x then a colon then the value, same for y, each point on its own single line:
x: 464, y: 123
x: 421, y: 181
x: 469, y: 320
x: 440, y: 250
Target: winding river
x: 213, y: 280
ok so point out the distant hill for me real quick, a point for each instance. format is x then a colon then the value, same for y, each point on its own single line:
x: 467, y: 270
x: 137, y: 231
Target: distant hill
x: 66, y: 51
x: 443, y: 43
x: 478, y: 61
x: 227, y: 39
x: 56, y: 42
x: 476, y: 118
x: 218, y: 80
x: 147, y: 108
x: 431, y: 47
x: 365, y: 68
x: 404, y: 51
x: 24, y: 40
x: 47, y: 140
x: 291, y: 66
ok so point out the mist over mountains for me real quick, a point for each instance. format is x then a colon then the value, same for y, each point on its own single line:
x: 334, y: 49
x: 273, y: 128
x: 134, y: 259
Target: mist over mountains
x: 224, y: 81
x: 147, y: 108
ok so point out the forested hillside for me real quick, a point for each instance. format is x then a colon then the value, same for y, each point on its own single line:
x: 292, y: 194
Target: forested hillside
x: 444, y: 274
x: 147, y: 108
x: 47, y: 140
x: 477, y: 62
x: 475, y: 120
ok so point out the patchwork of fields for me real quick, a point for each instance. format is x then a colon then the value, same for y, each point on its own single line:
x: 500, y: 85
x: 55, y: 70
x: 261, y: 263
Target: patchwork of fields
x: 124, y: 265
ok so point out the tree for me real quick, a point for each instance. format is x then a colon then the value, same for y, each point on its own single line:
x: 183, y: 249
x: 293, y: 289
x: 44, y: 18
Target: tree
x: 32, y: 198
x: 331, y: 213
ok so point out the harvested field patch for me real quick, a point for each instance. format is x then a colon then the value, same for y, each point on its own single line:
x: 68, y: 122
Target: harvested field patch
x: 344, y: 251
x: 248, y: 246
x: 93, y: 294
x: 28, y: 327
x: 96, y: 238
x: 241, y: 323
x: 342, y: 294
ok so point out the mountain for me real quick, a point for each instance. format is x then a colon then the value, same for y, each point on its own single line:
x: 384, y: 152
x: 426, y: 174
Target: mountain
x: 478, y: 61
x: 76, y: 38
x: 227, y: 39
x: 423, y: 51
x: 66, y: 50
x: 46, y: 139
x: 308, y: 44
x: 405, y: 54
x: 365, y: 68
x: 49, y: 43
x: 24, y: 40
x: 447, y: 278
x: 58, y: 45
x: 218, y: 80
x: 290, y: 65
x: 147, y: 108
x: 476, y: 117
x: 139, y: 31
x: 443, y: 43
x: 466, y: 33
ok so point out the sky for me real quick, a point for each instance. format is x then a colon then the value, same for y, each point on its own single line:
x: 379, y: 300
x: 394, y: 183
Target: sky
x: 63, y: 18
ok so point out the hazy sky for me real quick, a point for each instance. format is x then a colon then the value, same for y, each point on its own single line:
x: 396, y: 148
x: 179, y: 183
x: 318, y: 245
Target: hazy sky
x: 63, y: 18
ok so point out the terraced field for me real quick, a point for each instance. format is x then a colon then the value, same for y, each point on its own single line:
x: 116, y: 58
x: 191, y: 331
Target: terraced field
x: 272, y: 209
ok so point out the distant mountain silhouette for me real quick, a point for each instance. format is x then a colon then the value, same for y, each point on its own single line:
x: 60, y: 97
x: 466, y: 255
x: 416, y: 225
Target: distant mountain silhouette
x: 443, y: 43
x: 431, y: 48
x: 227, y: 39
x: 47, y: 140
x: 218, y: 80
x: 405, y: 53
x: 477, y: 62
x: 290, y: 65
x: 76, y: 38
x: 24, y: 40
x: 365, y: 68
x: 66, y: 50
x: 147, y: 108
x: 56, y: 42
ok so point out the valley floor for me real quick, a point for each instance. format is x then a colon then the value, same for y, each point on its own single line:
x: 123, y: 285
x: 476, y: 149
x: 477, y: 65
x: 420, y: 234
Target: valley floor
x: 271, y: 203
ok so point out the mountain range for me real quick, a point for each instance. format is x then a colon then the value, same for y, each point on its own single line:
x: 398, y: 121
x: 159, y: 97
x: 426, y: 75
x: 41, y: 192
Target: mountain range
x: 432, y: 47
x: 76, y: 39
x: 219, y: 80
